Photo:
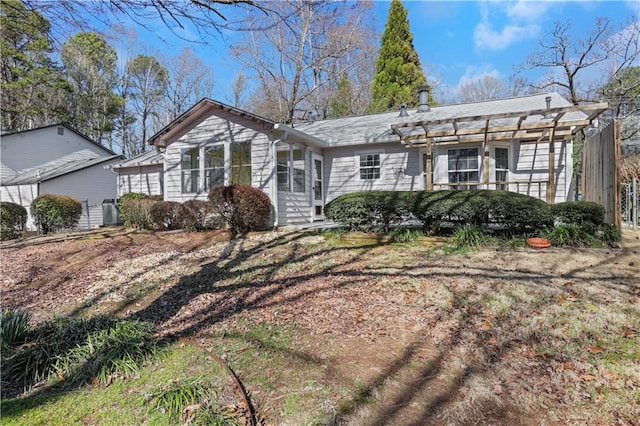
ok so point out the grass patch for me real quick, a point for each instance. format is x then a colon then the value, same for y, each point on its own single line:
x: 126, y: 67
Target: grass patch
x: 126, y: 401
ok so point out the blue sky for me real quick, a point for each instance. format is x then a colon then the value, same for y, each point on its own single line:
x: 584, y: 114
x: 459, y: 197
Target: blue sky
x: 456, y: 40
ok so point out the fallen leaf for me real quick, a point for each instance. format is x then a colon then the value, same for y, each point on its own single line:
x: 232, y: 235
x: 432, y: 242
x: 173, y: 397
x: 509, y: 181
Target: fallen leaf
x: 596, y: 349
x: 587, y: 377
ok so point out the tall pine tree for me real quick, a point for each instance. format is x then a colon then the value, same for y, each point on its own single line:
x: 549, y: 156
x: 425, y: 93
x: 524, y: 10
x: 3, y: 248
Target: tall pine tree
x: 398, y: 70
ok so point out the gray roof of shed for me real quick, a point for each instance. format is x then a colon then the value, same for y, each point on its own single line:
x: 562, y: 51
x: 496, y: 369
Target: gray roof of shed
x: 149, y: 158
x: 55, y: 169
x: 376, y: 128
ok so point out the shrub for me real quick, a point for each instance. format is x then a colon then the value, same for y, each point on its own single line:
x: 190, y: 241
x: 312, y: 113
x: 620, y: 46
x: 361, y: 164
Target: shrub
x: 136, y: 212
x: 519, y: 213
x: 242, y: 207
x: 405, y: 234
x: 468, y: 235
x: 586, y: 215
x: 54, y: 212
x: 368, y: 211
x: 570, y: 236
x: 165, y: 215
x: 13, y: 218
x: 438, y: 209
x: 609, y: 234
x: 123, y: 199
x: 197, y: 215
x: 14, y: 325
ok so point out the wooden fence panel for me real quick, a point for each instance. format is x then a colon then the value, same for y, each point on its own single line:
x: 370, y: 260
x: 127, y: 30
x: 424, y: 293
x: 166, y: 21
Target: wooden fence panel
x: 600, y: 171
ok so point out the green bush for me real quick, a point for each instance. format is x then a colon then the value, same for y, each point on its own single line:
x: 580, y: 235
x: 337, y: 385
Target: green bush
x: 368, y: 211
x: 54, y: 212
x: 123, y: 199
x: 165, y: 215
x: 13, y: 218
x: 438, y: 211
x: 405, y: 234
x: 136, y: 212
x: 586, y: 215
x: 243, y: 208
x: 197, y: 215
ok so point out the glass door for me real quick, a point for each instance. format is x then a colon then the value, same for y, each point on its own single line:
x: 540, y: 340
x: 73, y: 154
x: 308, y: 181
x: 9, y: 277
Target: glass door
x: 317, y: 192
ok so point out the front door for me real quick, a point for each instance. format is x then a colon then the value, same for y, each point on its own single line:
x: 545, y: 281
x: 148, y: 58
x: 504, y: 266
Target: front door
x: 317, y: 192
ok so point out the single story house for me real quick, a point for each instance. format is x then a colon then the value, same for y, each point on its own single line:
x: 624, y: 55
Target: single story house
x: 57, y: 159
x: 521, y: 144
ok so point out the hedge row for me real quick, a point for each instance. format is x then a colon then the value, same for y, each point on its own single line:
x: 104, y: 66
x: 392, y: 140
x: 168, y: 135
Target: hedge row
x: 437, y: 211
x: 240, y: 207
x: 13, y: 218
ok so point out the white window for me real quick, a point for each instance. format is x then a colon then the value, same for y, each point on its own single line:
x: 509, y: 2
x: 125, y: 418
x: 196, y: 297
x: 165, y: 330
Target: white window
x: 369, y: 166
x: 463, y: 167
x: 190, y: 170
x: 213, y: 166
x: 502, y: 168
x: 290, y: 167
x: 241, y: 163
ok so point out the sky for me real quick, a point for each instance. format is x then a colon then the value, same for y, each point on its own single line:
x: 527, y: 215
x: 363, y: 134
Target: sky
x: 457, y: 41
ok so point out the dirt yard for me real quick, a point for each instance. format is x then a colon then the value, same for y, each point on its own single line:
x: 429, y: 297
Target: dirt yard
x: 375, y: 334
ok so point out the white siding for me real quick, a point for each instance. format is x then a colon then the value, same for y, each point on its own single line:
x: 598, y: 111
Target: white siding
x: 211, y: 131
x: 22, y: 195
x: 399, y: 171
x: 529, y: 164
x: 93, y: 185
x: 29, y: 150
x: 145, y: 179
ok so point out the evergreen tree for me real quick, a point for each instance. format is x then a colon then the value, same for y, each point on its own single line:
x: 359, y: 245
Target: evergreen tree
x: 90, y: 68
x: 398, y: 70
x: 30, y: 82
x: 340, y: 102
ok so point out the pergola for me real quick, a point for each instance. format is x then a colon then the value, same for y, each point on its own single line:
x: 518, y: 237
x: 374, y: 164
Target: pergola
x: 547, y: 125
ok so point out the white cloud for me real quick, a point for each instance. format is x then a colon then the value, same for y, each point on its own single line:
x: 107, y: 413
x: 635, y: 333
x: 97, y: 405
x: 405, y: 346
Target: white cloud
x: 528, y: 11
x: 475, y: 72
x: 485, y: 37
x: 518, y: 21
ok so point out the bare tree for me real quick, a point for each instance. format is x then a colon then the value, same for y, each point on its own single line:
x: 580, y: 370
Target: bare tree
x: 298, y: 53
x: 482, y: 89
x: 566, y: 58
x: 239, y: 89
x: 189, y: 81
x: 206, y: 17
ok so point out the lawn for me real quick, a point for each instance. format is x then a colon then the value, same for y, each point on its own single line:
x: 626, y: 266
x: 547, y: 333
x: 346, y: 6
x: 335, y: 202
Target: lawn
x: 321, y: 330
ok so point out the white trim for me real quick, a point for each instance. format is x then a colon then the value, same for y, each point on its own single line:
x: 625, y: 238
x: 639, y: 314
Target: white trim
x: 379, y: 152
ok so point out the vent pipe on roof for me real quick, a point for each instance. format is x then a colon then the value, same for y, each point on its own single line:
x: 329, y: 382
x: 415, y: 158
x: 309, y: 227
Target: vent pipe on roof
x: 548, y: 101
x: 423, y: 98
x: 403, y: 111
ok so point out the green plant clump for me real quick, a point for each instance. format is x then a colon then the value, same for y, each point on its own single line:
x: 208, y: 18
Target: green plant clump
x: 54, y: 212
x: 78, y: 350
x: 14, y: 326
x: 243, y: 208
x: 405, y: 234
x: 13, y: 218
x: 469, y: 236
x: 570, y: 236
x: 174, y: 397
x: 586, y: 215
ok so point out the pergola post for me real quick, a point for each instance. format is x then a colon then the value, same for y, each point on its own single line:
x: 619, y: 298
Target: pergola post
x: 428, y: 167
x: 551, y: 185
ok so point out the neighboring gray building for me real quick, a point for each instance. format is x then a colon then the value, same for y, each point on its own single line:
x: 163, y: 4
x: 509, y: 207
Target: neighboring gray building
x: 501, y: 144
x: 57, y: 159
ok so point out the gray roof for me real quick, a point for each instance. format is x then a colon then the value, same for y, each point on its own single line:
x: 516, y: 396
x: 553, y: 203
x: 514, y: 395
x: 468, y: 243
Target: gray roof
x: 376, y: 128
x: 55, y: 169
x: 149, y: 158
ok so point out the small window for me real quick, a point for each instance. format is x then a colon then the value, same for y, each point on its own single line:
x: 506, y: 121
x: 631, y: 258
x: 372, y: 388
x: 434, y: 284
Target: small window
x: 502, y: 167
x: 291, y: 171
x: 369, y: 166
x: 190, y: 170
x: 241, y: 163
x: 463, y: 167
x: 61, y: 130
x: 283, y: 166
x: 298, y: 168
x: 213, y: 166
